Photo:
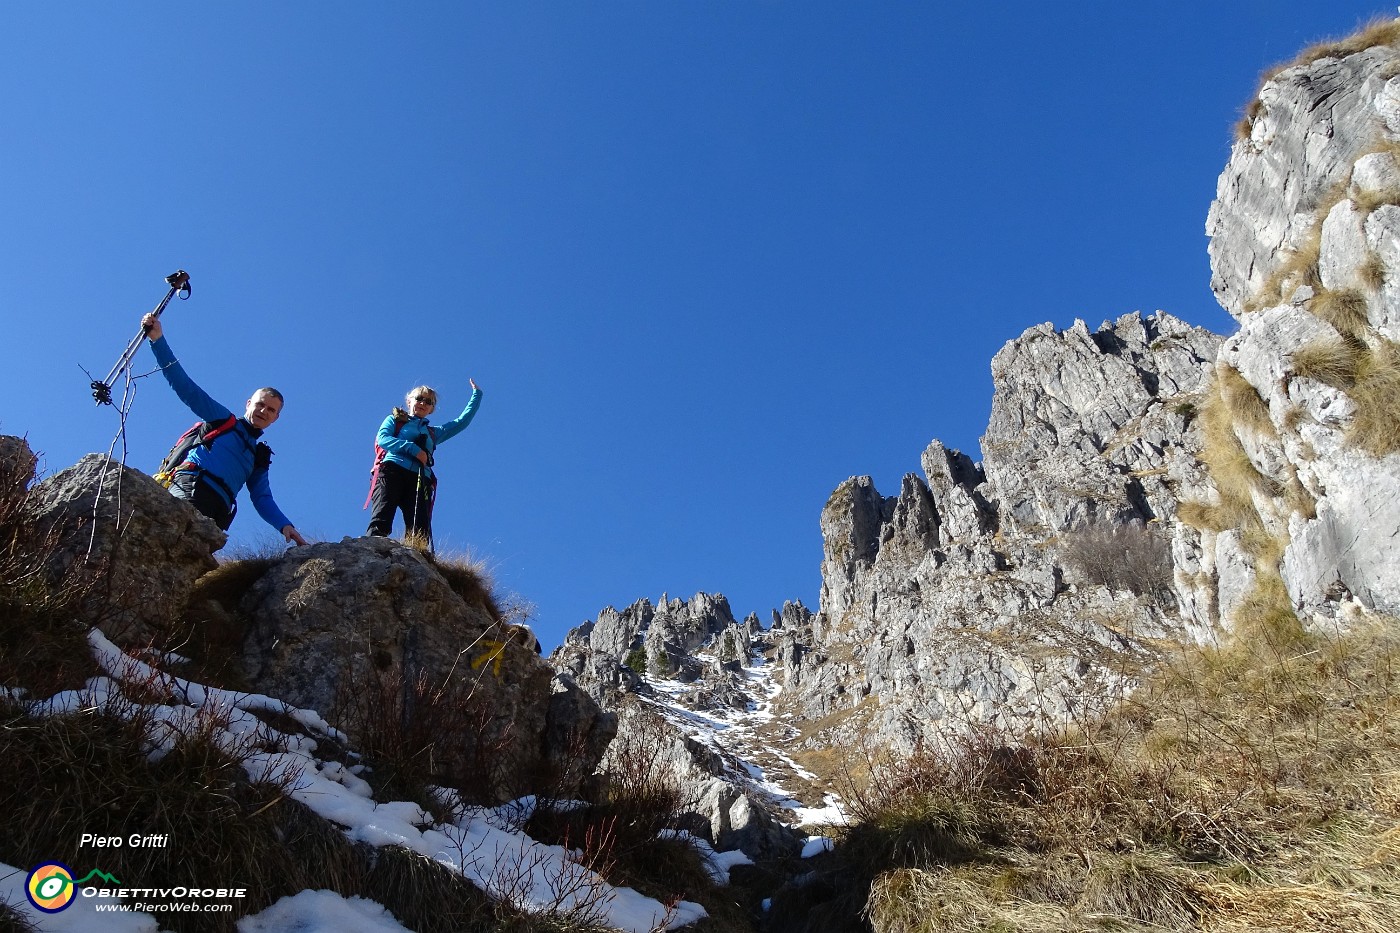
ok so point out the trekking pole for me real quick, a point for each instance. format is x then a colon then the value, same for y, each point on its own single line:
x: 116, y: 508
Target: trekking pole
x: 179, y: 282
x: 417, y: 498
x: 417, y: 502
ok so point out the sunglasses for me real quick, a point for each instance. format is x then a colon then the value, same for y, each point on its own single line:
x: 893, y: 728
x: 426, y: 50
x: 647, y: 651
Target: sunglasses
x: 425, y: 401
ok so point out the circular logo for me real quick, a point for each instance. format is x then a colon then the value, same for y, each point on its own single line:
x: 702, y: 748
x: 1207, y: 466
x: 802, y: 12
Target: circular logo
x: 50, y: 887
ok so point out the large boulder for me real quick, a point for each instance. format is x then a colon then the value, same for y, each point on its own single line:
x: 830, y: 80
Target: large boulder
x: 118, y: 521
x: 372, y: 634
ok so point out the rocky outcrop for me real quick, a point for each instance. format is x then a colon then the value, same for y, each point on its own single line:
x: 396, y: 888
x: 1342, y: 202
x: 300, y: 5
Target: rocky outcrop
x: 17, y: 464
x: 1305, y: 254
x: 973, y: 595
x: 1026, y: 587
x: 1308, y: 129
x: 150, y: 546
x: 1145, y: 481
x: 370, y: 630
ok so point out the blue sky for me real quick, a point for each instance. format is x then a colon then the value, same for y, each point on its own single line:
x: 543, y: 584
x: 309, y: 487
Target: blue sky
x: 707, y: 259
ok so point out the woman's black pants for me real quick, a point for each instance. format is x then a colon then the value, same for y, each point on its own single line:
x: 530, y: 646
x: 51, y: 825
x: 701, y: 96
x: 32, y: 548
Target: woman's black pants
x: 397, y: 488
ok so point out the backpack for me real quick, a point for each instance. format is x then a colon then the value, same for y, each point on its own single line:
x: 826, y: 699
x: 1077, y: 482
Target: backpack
x: 401, y: 418
x: 199, y: 433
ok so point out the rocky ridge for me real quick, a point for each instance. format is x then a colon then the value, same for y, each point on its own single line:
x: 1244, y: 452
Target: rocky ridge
x: 970, y: 597
x: 1141, y: 482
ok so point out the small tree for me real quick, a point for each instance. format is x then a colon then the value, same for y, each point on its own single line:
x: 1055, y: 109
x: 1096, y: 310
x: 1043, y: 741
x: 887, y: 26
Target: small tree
x: 637, y: 659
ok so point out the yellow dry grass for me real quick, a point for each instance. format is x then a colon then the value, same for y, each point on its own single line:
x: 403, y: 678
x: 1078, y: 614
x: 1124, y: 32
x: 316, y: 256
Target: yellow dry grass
x: 1344, y: 309
x: 1377, y: 32
x: 1253, y: 786
x: 1369, y: 373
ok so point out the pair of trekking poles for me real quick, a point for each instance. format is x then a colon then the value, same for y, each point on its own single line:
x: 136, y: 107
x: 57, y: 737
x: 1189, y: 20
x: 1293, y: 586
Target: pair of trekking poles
x: 179, y: 282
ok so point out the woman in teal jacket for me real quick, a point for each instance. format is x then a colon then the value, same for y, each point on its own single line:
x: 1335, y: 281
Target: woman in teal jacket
x: 403, y: 478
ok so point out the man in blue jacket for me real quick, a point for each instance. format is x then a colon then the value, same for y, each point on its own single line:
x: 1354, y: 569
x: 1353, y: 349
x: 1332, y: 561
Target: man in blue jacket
x: 212, y: 474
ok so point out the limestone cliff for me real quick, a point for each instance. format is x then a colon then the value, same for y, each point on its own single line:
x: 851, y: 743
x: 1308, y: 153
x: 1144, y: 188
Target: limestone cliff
x: 1305, y: 253
x: 1018, y: 588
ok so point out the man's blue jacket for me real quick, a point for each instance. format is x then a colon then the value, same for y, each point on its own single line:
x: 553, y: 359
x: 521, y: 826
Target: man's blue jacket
x: 230, y: 457
x: 416, y: 434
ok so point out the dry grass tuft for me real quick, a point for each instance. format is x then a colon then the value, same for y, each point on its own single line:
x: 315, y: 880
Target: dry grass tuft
x: 1203, y: 516
x: 428, y: 897
x: 1376, y: 392
x: 1369, y: 374
x: 1317, y: 907
x: 1298, y: 269
x: 1149, y: 888
x: 1266, y: 616
x: 1372, y: 272
x: 1345, y: 310
x: 1236, y: 477
x: 96, y: 777
x: 468, y: 576
x: 1246, y: 407
x: 212, y: 627
x: 229, y: 582
x: 1334, y: 362
x: 1366, y: 200
x: 1376, y: 32
x: 12, y: 921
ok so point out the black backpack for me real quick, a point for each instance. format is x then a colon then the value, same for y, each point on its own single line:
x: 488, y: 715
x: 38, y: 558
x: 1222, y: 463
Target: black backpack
x: 199, y: 433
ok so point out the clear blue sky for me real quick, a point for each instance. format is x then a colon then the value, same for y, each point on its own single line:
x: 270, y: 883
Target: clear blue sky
x: 706, y: 258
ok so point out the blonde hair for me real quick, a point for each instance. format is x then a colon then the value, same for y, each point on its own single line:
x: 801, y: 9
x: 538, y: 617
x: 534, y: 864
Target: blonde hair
x: 420, y: 390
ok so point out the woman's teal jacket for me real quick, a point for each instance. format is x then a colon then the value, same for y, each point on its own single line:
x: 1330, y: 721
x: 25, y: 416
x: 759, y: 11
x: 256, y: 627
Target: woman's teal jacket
x: 415, y: 434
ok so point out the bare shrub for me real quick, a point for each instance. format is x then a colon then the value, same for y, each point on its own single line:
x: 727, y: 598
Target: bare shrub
x: 415, y: 734
x: 1132, y: 557
x: 44, y: 613
x: 640, y: 798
